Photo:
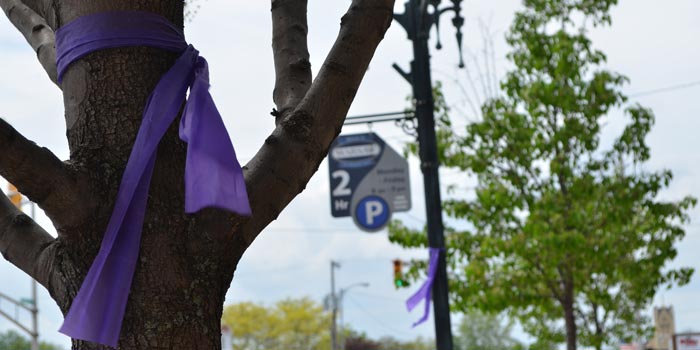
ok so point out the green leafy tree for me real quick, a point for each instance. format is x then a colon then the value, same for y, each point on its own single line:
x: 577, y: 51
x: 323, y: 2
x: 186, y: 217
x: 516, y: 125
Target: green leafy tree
x: 391, y: 343
x: 289, y: 324
x: 11, y: 340
x: 355, y: 340
x: 567, y: 236
x: 483, y: 331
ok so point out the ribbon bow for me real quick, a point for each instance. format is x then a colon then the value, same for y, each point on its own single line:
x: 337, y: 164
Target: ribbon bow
x: 213, y: 176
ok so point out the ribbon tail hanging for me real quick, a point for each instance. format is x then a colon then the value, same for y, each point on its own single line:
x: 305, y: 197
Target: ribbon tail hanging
x: 97, y: 311
x: 424, y: 292
x: 213, y: 176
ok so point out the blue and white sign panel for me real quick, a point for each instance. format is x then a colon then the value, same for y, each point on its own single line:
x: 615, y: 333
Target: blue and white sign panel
x: 369, y: 180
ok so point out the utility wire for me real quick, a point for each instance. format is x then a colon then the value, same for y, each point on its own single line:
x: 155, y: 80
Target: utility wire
x: 343, y: 260
x: 376, y: 319
x: 665, y: 89
x: 312, y: 229
x: 315, y: 230
x: 315, y: 233
x: 281, y: 269
x: 416, y: 219
x: 371, y: 295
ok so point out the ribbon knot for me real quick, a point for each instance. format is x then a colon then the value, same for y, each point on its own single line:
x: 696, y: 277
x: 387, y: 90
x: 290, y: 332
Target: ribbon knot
x: 213, y: 176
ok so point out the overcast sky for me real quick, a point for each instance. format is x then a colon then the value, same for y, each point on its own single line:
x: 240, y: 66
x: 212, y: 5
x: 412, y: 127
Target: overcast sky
x: 655, y: 45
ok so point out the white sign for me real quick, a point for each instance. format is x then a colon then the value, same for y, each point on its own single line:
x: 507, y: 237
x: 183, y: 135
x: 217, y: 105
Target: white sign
x: 370, y: 150
x: 687, y: 341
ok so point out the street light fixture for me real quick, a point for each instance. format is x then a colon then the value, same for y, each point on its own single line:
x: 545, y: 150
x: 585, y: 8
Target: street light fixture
x: 341, y: 294
x: 25, y: 303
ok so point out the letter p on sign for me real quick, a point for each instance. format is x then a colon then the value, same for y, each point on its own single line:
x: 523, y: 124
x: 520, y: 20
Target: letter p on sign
x: 372, y: 213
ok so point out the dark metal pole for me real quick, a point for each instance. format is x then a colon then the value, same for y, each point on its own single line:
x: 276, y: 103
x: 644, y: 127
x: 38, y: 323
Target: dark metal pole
x: 417, y: 24
x: 422, y: 90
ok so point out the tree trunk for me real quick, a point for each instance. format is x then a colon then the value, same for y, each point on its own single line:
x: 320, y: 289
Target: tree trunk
x: 180, y: 281
x: 569, y: 317
x: 186, y: 262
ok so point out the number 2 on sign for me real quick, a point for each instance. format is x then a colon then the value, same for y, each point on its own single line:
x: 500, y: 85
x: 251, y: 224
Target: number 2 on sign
x: 342, y: 188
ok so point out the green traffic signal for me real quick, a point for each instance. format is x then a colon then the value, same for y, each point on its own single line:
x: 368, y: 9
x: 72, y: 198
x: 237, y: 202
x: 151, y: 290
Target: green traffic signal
x: 399, y: 281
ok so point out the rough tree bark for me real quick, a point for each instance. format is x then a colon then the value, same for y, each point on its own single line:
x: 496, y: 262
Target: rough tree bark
x: 186, y: 262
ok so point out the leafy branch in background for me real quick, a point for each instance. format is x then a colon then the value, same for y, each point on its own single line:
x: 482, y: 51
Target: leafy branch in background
x: 299, y: 324
x: 289, y: 324
x: 360, y: 341
x: 483, y: 331
x: 12, y: 340
x: 570, y: 238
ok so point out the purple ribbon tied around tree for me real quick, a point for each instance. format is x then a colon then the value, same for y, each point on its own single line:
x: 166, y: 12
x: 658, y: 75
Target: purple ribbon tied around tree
x: 213, y: 176
x: 425, y: 291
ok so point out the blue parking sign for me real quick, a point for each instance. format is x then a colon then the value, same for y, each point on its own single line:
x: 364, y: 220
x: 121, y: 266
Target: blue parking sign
x: 369, y: 180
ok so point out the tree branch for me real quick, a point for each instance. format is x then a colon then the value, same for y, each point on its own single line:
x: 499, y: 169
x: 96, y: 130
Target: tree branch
x: 45, y: 9
x: 24, y: 243
x: 552, y: 288
x: 36, y: 31
x: 291, y: 55
x: 42, y: 177
x: 291, y: 155
x: 583, y: 317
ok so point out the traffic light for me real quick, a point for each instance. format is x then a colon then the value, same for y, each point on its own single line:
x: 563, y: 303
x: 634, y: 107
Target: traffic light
x: 399, y: 281
x: 14, y: 195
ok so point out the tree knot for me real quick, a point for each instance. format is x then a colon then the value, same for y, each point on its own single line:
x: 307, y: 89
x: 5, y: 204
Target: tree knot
x: 298, y: 126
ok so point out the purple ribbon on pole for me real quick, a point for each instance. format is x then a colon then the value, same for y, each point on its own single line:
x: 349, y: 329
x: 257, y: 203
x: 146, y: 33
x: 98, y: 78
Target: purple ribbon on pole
x: 425, y: 291
x: 213, y: 176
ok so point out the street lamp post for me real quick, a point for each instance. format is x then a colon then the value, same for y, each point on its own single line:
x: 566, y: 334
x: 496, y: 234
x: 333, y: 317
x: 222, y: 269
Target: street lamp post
x: 334, y: 307
x: 341, y: 295
x: 35, y: 302
x: 30, y: 305
x: 417, y: 20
